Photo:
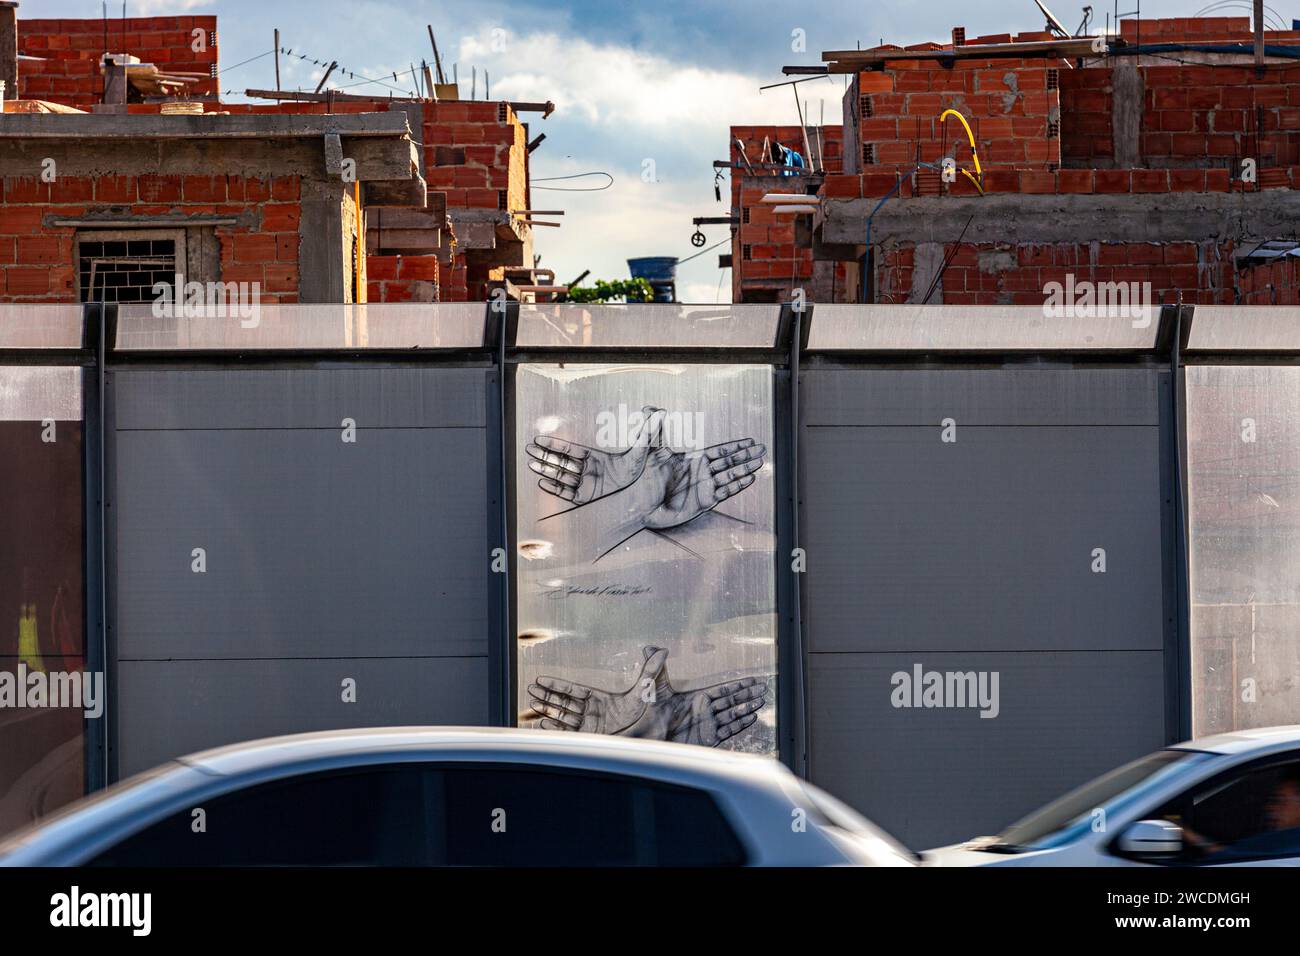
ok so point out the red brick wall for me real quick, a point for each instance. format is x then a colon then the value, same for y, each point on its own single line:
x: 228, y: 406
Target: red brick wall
x: 1007, y: 103
x: 472, y: 155
x: 1199, y: 121
x: 403, y: 279
x: 72, y: 50
x: 1007, y: 274
x: 1209, y: 115
x: 771, y: 239
x: 1086, y: 102
x: 480, y: 156
x: 1277, y: 283
x: 36, y: 260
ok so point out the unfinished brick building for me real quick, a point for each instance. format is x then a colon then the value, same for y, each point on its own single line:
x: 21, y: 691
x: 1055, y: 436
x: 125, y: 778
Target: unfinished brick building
x: 453, y: 242
x: 473, y: 233
x: 771, y: 253
x: 63, y: 56
x: 1169, y: 158
x: 138, y: 199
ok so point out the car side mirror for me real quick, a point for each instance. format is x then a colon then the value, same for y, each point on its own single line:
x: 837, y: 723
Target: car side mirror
x: 1152, y: 838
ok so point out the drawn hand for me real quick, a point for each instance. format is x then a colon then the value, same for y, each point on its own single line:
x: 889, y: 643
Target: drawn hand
x: 676, y: 487
x: 580, y: 474
x: 651, y: 708
x: 567, y: 705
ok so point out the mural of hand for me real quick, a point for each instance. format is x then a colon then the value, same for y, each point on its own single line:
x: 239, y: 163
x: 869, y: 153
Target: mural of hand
x: 717, y: 713
x: 567, y: 705
x: 675, y: 487
x: 705, y: 716
x: 581, y: 474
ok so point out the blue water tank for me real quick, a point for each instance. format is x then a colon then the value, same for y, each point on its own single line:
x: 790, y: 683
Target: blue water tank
x: 660, y: 272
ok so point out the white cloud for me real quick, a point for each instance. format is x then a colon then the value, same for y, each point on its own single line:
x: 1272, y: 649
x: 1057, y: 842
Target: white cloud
x: 630, y: 219
x: 618, y: 86
x: 633, y: 104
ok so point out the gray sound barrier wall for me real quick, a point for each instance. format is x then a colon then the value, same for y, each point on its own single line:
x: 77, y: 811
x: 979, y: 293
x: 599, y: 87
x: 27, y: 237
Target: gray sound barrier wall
x: 296, y: 549
x: 980, y: 542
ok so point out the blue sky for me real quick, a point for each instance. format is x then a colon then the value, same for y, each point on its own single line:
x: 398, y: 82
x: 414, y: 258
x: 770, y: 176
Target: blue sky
x: 658, y: 81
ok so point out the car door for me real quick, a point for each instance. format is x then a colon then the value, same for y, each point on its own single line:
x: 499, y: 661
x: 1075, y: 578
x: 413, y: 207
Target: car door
x: 1248, y: 815
x: 442, y: 814
x: 523, y: 815
x: 358, y: 816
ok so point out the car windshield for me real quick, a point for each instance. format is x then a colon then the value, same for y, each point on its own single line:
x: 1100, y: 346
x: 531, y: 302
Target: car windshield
x: 1065, y: 820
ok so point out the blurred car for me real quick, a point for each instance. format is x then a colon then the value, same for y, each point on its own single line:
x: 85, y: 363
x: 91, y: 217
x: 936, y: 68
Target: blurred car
x: 412, y: 796
x: 1227, y: 800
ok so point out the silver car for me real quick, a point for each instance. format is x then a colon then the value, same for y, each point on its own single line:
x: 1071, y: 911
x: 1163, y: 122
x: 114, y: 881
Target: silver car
x: 419, y: 796
x: 1227, y: 800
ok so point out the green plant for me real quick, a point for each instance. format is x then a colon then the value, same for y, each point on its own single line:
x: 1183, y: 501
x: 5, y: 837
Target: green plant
x: 620, y: 290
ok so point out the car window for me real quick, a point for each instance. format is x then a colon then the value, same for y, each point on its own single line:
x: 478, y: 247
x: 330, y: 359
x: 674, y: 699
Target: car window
x: 1250, y: 813
x: 520, y: 816
x: 446, y: 814
x: 1071, y: 816
x: 371, y: 816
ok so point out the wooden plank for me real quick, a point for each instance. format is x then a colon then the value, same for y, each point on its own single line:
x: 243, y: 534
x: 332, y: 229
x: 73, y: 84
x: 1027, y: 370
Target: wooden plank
x: 843, y: 61
x: 546, y: 109
x: 324, y: 97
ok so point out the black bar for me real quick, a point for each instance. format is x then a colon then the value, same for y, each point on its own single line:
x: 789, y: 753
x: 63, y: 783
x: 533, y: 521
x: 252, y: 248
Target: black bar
x: 1182, y: 553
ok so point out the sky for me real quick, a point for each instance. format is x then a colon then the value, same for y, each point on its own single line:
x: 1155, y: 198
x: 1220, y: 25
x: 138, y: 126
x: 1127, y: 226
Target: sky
x: 644, y: 91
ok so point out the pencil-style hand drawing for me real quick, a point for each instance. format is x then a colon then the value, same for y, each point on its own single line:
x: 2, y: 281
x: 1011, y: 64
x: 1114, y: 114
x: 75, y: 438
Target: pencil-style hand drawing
x: 653, y: 486
x: 674, y: 487
x: 651, y: 707
x: 579, y: 473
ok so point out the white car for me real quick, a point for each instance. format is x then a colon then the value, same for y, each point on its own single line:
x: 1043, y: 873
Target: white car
x: 425, y: 796
x: 1227, y: 800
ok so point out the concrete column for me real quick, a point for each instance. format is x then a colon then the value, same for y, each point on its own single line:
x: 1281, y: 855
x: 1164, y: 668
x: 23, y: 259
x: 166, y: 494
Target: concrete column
x: 1127, y: 103
x: 9, y: 47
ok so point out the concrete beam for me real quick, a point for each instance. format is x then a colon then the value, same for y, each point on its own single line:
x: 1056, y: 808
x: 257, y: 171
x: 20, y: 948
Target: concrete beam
x: 433, y: 216
x: 135, y: 127
x: 395, y: 193
x: 1024, y: 218
x: 377, y: 159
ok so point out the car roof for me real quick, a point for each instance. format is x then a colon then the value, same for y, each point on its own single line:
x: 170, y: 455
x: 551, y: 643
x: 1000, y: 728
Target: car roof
x: 498, y: 743
x: 1240, y: 741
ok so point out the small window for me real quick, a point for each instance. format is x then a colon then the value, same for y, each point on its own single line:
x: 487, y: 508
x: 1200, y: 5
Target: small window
x: 124, y: 265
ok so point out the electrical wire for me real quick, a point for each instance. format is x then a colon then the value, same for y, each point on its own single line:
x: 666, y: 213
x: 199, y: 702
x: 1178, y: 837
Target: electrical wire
x: 351, y: 73
x: 572, y: 189
x: 242, y: 62
x: 703, y: 251
x: 1269, y: 12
